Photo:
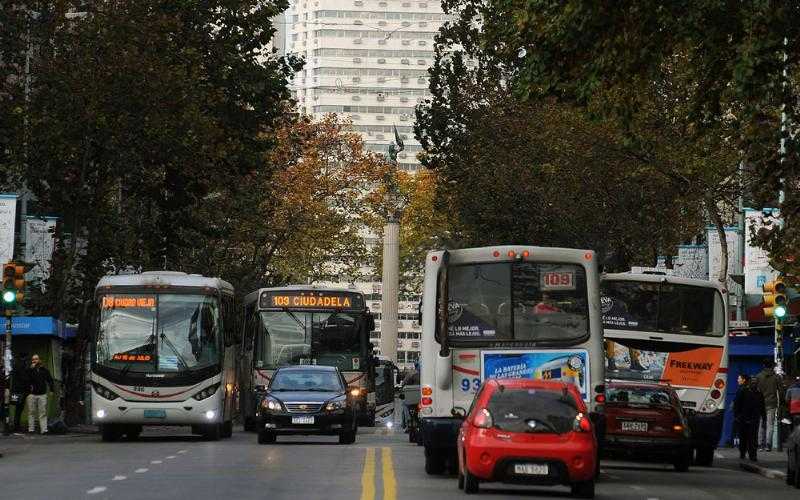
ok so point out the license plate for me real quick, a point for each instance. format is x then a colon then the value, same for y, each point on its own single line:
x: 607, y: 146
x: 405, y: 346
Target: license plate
x: 532, y: 469
x: 302, y: 420
x: 155, y: 414
x: 634, y: 426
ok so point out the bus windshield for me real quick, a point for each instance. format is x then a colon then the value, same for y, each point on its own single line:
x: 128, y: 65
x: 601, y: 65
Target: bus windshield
x: 330, y: 338
x: 517, y: 301
x: 158, y: 332
x: 662, y: 307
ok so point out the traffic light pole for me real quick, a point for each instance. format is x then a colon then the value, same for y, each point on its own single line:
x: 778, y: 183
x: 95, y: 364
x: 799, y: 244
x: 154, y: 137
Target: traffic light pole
x: 8, y: 374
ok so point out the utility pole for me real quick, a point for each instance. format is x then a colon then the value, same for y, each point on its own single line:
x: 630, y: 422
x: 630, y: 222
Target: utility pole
x: 391, y: 257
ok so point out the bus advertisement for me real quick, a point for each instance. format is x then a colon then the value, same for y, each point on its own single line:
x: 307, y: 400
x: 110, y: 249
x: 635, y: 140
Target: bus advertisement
x: 164, y: 353
x: 505, y: 312
x: 297, y: 325
x: 672, y: 330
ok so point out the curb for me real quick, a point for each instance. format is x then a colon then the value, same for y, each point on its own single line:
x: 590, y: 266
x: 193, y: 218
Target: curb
x: 763, y: 471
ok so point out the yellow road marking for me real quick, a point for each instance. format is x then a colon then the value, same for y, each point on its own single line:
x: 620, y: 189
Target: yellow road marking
x: 368, y: 476
x: 389, y: 482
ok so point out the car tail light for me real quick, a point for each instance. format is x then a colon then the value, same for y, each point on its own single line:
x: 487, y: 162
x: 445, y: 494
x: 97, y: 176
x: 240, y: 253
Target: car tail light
x: 483, y: 419
x: 716, y: 394
x: 719, y: 383
x: 426, y: 401
x: 677, y: 428
x: 582, y: 423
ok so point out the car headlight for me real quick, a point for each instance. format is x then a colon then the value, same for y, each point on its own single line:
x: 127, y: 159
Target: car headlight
x: 337, y: 404
x: 104, y: 392
x: 271, y: 404
x: 207, y: 392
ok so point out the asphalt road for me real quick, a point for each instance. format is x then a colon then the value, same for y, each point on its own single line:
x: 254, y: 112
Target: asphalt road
x: 174, y: 466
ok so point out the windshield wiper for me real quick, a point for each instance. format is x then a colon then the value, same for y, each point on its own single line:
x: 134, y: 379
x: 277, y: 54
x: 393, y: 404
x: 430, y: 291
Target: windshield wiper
x: 169, y: 343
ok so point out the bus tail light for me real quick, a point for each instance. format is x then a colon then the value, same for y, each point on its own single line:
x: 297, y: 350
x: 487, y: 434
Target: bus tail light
x: 719, y: 383
x: 426, y: 401
x: 600, y: 398
x: 715, y: 394
x: 427, y: 390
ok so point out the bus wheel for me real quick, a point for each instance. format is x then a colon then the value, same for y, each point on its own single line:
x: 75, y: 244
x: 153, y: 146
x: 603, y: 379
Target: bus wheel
x: 227, y: 429
x: 133, y: 432
x: 212, y: 432
x: 434, y: 462
x: 110, y: 433
x: 705, y: 456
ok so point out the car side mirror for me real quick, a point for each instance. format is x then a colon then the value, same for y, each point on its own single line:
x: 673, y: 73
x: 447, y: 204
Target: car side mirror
x: 459, y: 412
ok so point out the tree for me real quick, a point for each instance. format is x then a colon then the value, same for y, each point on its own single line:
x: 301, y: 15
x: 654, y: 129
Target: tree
x: 302, y: 217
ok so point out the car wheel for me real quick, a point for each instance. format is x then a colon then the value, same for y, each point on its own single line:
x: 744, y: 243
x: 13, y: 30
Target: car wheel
x: 471, y: 483
x: 583, y: 489
x: 683, y: 461
x: 434, y: 462
x: 109, y: 433
x: 265, y: 437
x: 460, y: 480
x: 705, y: 456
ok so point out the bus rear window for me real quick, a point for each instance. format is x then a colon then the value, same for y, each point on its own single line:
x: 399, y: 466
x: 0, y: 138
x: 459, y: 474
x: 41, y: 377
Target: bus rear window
x: 661, y: 307
x: 522, y: 301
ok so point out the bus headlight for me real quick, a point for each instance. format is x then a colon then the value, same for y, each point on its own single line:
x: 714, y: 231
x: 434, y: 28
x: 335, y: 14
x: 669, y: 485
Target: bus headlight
x: 101, y: 414
x: 206, y: 393
x: 103, y: 392
x: 210, y: 414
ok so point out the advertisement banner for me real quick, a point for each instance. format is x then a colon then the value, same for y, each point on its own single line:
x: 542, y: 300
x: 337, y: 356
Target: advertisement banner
x: 694, y: 367
x: 715, y: 256
x: 692, y: 262
x: 39, y: 242
x: 567, y: 365
x: 757, y: 270
x: 8, y: 214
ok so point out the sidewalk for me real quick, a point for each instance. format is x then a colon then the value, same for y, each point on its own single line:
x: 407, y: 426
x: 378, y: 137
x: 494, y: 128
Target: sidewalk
x: 771, y: 464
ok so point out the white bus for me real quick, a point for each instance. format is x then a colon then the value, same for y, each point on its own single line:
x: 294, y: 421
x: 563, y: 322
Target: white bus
x: 164, y: 353
x: 664, y: 328
x: 306, y: 324
x: 505, y: 312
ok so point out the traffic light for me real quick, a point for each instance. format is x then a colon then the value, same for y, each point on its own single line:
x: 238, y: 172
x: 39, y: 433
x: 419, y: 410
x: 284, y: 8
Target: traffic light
x: 9, y: 290
x: 775, y: 303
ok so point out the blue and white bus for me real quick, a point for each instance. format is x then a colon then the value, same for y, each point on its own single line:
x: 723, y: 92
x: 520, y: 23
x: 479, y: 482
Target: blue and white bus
x: 505, y: 312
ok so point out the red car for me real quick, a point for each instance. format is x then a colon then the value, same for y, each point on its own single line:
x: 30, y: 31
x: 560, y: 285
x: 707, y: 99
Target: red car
x: 528, y: 432
x: 646, y: 420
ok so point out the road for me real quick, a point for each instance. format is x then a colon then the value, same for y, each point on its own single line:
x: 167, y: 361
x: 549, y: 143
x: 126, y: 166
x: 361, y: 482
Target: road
x: 378, y: 466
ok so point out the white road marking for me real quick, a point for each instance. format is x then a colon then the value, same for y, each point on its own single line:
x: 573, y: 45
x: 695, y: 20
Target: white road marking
x: 652, y: 498
x: 156, y: 462
x: 637, y: 487
x: 96, y: 490
x: 119, y: 478
x: 141, y: 471
x: 170, y: 457
x: 181, y: 451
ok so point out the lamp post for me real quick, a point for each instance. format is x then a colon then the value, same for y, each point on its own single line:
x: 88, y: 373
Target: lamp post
x: 391, y: 256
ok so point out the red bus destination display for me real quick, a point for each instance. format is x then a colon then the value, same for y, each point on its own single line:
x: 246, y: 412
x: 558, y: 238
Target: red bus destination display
x: 311, y: 299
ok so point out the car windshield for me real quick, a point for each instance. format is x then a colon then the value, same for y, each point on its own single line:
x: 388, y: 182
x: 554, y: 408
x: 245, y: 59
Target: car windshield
x: 525, y: 301
x: 300, y: 337
x: 533, y: 410
x: 158, y: 332
x: 662, y: 307
x: 306, y: 380
x: 637, y: 396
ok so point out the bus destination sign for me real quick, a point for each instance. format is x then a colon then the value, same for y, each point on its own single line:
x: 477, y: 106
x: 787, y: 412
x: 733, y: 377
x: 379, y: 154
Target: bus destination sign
x: 122, y: 301
x: 311, y: 299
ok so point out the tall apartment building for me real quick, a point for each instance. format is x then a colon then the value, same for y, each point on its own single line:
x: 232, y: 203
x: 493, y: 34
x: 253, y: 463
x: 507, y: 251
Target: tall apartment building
x: 368, y: 60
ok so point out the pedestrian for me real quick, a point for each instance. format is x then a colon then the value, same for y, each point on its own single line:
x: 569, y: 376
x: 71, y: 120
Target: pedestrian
x: 793, y: 402
x: 40, y: 383
x: 20, y: 385
x: 747, y: 409
x: 769, y: 384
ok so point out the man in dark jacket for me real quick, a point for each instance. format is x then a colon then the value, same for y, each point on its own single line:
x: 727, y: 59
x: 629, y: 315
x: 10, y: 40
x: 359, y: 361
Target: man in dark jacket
x: 771, y: 387
x: 19, y: 388
x: 40, y: 384
x: 748, y: 407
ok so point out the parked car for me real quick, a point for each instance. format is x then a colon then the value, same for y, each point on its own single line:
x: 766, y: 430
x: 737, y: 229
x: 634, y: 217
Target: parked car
x: 646, y: 421
x: 793, y: 464
x: 307, y: 399
x: 528, y: 432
